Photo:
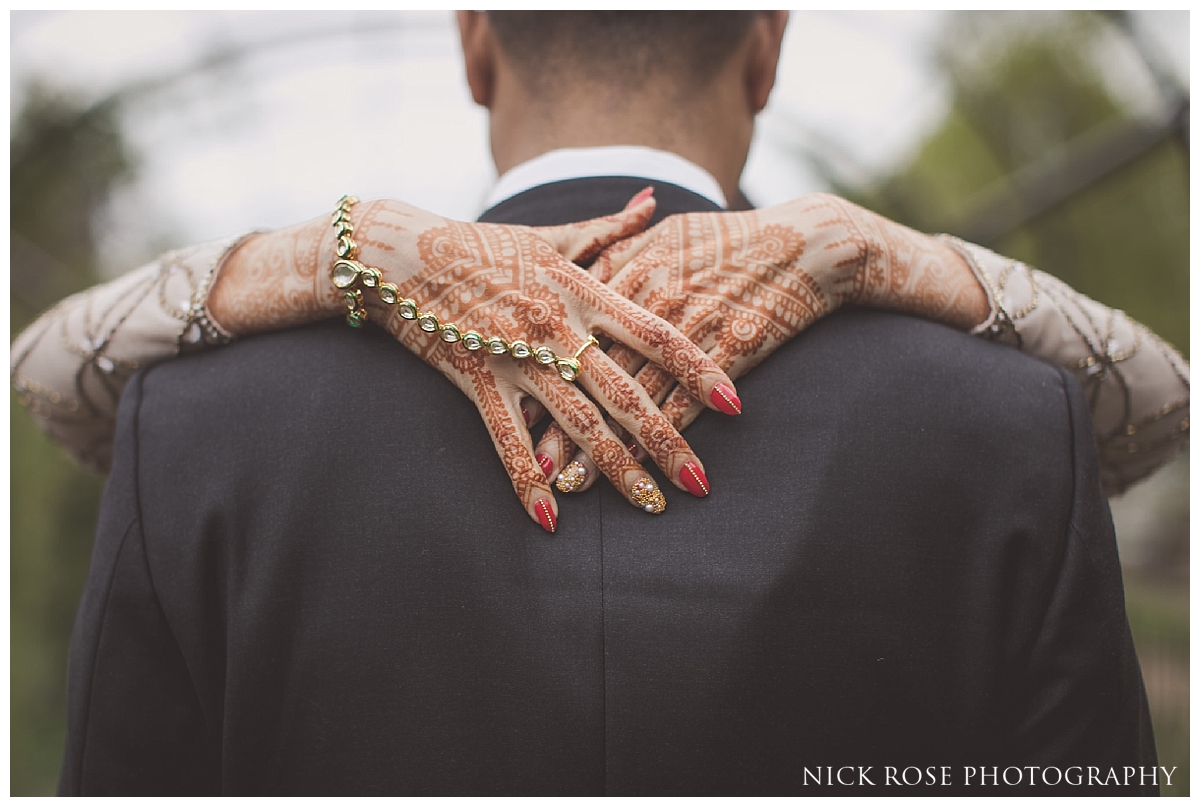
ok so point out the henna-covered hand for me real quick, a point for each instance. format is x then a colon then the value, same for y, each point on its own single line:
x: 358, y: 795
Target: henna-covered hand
x: 501, y: 280
x: 741, y: 284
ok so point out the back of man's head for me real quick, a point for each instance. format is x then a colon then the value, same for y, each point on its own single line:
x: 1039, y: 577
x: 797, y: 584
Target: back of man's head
x: 688, y: 82
x: 623, y: 50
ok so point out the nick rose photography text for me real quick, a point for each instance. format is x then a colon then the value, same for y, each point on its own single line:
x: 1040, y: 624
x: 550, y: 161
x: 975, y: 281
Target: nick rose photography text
x: 988, y: 776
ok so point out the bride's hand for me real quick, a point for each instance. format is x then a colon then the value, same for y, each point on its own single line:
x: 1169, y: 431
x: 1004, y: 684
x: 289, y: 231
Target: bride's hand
x: 494, y: 280
x: 741, y: 284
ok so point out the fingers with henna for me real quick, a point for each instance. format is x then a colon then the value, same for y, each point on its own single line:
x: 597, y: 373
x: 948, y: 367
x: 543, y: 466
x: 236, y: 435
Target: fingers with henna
x: 614, y: 258
x: 512, y: 442
x: 680, y: 408
x: 676, y: 404
x: 580, y: 473
x: 554, y: 450
x: 652, y: 378
x: 665, y: 346
x: 629, y: 405
x: 628, y: 359
x: 656, y: 381
x: 585, y: 426
x: 531, y: 411
x: 581, y: 241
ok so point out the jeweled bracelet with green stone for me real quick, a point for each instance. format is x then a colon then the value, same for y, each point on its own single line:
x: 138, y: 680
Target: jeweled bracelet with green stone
x: 349, y: 274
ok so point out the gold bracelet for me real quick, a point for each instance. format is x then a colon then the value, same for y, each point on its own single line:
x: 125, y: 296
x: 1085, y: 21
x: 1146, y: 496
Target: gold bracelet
x: 351, y: 276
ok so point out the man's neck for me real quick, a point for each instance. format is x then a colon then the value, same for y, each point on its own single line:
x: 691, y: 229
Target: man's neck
x: 695, y: 129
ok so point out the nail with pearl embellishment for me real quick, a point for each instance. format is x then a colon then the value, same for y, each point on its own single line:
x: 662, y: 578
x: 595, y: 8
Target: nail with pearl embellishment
x: 572, y: 477
x: 646, y: 495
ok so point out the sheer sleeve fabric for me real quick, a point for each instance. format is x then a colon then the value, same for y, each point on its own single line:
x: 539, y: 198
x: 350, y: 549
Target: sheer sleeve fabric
x: 70, y: 366
x: 1137, y: 385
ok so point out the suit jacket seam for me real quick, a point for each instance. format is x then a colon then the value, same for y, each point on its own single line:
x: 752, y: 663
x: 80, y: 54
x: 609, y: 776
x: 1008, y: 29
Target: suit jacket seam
x: 1072, y: 528
x: 136, y: 392
x: 91, y: 679
x: 137, y: 495
x: 1074, y: 536
x: 1046, y: 606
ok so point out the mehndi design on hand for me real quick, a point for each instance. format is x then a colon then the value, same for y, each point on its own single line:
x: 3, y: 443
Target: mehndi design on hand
x: 741, y: 284
x: 510, y: 282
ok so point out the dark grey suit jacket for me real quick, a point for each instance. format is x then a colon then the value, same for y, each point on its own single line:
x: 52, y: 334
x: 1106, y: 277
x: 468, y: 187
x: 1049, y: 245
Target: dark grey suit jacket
x: 311, y: 576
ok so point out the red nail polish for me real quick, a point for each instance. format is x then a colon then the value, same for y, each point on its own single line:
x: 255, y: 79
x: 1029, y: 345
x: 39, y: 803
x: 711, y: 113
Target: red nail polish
x: 545, y: 514
x: 724, y: 399
x: 694, y: 479
x: 632, y: 446
x: 546, y: 463
x: 525, y: 415
x: 641, y: 197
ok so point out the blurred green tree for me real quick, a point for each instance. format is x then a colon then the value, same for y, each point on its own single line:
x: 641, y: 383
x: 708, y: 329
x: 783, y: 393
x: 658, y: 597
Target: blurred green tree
x: 66, y: 160
x: 1028, y: 91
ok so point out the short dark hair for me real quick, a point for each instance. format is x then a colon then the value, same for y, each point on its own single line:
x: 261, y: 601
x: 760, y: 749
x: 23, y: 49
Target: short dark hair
x: 620, y: 48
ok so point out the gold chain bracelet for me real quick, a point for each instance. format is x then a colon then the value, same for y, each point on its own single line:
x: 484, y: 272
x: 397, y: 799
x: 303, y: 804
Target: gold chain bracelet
x: 351, y: 277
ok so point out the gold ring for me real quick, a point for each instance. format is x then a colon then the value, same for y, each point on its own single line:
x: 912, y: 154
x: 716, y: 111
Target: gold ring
x: 570, y: 368
x: 591, y: 340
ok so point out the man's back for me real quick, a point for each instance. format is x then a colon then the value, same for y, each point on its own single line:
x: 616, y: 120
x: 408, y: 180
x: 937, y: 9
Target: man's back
x: 311, y: 577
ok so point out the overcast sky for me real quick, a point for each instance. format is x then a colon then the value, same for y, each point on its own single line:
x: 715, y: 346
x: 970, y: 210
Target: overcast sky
x: 375, y: 103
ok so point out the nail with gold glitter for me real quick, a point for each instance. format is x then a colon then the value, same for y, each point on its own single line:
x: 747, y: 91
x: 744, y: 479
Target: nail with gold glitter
x: 646, y: 495
x: 572, y: 477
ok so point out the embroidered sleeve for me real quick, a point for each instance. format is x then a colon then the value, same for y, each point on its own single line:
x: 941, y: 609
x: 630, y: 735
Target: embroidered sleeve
x: 70, y: 366
x: 1138, y: 386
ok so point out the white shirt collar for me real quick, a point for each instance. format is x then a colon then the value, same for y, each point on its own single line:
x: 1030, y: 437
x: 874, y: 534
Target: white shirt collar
x: 606, y: 161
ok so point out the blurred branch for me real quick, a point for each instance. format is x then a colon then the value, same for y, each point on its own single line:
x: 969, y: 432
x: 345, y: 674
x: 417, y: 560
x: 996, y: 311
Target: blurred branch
x: 824, y: 156
x: 1170, y: 89
x: 1043, y: 185
x: 843, y: 173
x: 224, y: 55
x: 35, y: 274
